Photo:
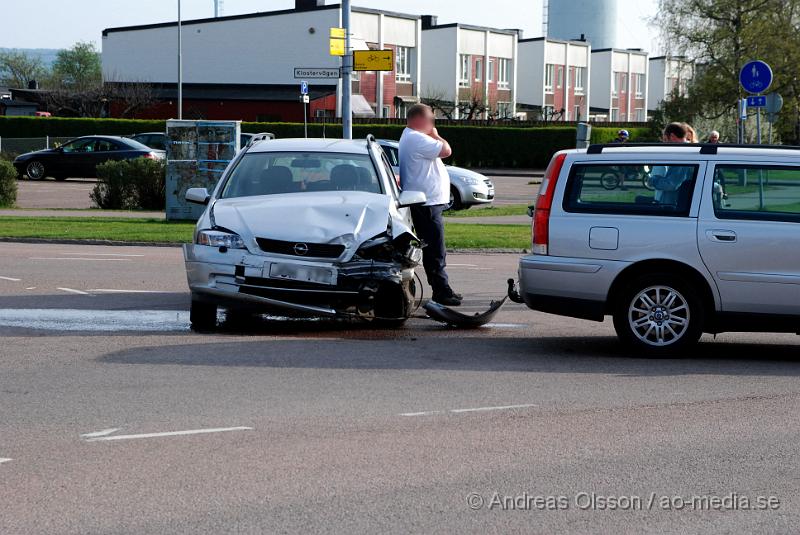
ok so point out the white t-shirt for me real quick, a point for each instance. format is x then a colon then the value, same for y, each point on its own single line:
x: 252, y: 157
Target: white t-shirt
x: 421, y: 169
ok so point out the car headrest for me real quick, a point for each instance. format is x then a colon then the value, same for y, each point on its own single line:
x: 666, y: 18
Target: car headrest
x: 344, y: 177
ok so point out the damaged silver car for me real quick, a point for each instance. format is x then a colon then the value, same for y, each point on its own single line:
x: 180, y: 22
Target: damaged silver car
x: 305, y: 226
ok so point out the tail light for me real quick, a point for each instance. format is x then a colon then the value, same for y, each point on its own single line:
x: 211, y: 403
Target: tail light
x: 544, y: 202
x: 151, y: 156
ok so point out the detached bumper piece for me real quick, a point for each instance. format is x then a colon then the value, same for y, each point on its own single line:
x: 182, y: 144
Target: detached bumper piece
x: 452, y: 318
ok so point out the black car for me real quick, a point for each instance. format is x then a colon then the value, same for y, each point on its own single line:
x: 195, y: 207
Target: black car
x: 158, y: 140
x: 80, y: 157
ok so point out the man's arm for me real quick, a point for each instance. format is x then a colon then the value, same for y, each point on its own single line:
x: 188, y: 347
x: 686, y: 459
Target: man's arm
x: 446, y: 151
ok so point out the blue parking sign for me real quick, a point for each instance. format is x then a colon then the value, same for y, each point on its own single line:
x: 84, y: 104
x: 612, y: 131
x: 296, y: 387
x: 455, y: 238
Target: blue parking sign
x: 304, y: 87
x: 755, y: 77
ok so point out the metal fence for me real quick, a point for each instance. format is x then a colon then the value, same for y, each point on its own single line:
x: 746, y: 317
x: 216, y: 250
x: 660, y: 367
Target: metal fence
x: 19, y: 145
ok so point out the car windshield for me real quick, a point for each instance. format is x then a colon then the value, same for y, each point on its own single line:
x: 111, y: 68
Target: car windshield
x: 271, y: 173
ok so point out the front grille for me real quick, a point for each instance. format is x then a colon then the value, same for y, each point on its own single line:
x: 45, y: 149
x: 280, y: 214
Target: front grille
x: 292, y: 248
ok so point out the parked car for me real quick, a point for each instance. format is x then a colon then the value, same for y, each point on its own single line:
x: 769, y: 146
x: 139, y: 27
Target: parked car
x: 158, y: 140
x: 713, y: 247
x: 309, y: 226
x: 467, y: 188
x: 80, y: 157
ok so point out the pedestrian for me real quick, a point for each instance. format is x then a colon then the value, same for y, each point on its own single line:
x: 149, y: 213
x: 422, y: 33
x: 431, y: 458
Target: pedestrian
x: 691, y: 135
x: 713, y: 137
x: 622, y: 137
x: 421, y: 169
x: 666, y: 179
x: 674, y: 133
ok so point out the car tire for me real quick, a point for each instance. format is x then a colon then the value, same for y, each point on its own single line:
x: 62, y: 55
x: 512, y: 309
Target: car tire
x: 455, y: 200
x: 35, y: 170
x: 610, y: 181
x: 203, y: 316
x: 659, y: 314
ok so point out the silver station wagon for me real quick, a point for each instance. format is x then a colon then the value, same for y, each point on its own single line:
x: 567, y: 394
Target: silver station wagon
x: 691, y: 239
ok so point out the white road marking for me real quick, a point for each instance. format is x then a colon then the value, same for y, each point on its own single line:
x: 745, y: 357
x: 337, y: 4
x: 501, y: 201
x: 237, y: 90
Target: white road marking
x: 100, y: 254
x: 79, y: 258
x: 12, y: 279
x: 4, y: 460
x: 474, y: 409
x: 103, y: 433
x: 506, y: 325
x: 74, y: 291
x: 171, y: 433
x: 113, y: 291
x: 461, y: 265
x: 31, y: 288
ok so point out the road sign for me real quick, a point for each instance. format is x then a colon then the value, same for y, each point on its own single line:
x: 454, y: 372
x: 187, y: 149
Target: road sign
x: 773, y: 106
x: 337, y: 40
x: 305, y: 99
x: 755, y: 77
x: 758, y: 101
x: 320, y: 73
x: 304, y: 88
x: 743, y: 109
x: 373, y: 60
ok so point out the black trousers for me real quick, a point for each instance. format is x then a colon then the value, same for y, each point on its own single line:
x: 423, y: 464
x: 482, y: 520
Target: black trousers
x: 429, y: 226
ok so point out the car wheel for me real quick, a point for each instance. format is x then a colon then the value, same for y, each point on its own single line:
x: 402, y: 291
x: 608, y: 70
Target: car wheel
x: 609, y: 181
x: 203, y: 316
x: 35, y: 170
x: 455, y: 200
x: 659, y: 313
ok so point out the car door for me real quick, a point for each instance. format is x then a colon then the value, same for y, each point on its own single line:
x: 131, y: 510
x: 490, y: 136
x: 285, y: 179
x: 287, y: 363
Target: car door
x: 74, y: 156
x: 104, y: 150
x: 749, y: 236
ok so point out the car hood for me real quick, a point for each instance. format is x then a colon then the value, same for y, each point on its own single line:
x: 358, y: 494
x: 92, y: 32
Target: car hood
x: 348, y: 218
x: 460, y: 171
x: 31, y: 154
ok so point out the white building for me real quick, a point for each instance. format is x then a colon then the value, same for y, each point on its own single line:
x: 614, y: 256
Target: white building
x: 464, y: 64
x: 554, y: 79
x: 247, y: 62
x: 668, y: 76
x: 619, y: 85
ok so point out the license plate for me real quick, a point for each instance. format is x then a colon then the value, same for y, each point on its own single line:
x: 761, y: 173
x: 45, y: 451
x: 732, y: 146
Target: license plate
x: 303, y: 273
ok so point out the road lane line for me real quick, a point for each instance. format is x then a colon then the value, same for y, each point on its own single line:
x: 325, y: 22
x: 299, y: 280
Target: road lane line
x: 113, y: 291
x: 4, y: 460
x: 12, y: 279
x: 461, y: 265
x: 74, y: 291
x: 170, y: 433
x: 103, y: 433
x: 473, y: 409
x: 100, y: 254
x: 79, y: 258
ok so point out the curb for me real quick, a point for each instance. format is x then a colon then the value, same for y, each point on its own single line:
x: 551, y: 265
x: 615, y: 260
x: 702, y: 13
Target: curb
x: 58, y: 241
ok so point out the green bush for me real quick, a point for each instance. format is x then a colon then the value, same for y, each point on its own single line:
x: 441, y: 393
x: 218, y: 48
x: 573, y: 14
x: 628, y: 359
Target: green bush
x: 137, y: 184
x: 8, y: 184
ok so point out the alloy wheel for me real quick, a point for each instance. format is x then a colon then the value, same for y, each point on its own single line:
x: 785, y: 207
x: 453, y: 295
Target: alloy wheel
x: 35, y: 170
x: 659, y: 316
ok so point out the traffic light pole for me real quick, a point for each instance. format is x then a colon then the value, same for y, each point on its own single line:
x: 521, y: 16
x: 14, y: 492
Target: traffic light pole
x: 347, y: 69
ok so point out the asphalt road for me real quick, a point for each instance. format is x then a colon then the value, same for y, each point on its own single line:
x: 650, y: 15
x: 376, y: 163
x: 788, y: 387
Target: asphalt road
x: 115, y: 418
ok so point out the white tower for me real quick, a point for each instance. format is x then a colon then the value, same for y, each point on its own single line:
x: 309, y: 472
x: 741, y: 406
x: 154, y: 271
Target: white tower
x: 596, y: 20
x: 219, y: 6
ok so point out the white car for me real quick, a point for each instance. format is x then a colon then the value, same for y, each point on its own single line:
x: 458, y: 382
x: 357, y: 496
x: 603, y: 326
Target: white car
x: 310, y: 226
x: 467, y: 188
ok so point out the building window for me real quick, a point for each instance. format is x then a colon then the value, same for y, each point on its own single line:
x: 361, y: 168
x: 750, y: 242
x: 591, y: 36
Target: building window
x: 614, y: 115
x: 548, y: 111
x: 387, y: 110
x: 614, y: 84
x: 580, y: 76
x: 464, y: 70
x: 478, y: 70
x: 504, y: 73
x: 549, y: 74
x: 623, y: 84
x: 504, y: 110
x: 402, y: 65
x: 639, y: 85
x: 490, y: 71
x: 640, y: 115
x: 577, y: 113
x: 560, y: 79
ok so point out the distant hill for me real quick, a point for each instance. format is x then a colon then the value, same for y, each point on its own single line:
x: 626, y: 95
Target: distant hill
x: 48, y: 55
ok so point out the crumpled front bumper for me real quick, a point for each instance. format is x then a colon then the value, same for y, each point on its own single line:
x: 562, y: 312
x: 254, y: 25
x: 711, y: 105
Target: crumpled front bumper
x: 239, y: 279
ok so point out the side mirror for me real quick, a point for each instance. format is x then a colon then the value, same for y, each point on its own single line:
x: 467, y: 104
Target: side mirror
x: 197, y: 195
x: 411, y: 198
x: 531, y: 209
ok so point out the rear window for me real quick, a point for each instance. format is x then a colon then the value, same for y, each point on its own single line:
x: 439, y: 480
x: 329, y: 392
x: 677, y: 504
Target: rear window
x: 657, y: 189
x: 271, y: 173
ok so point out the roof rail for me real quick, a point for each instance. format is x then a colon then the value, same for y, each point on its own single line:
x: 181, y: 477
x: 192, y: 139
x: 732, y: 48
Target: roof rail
x: 705, y: 148
x: 261, y: 136
x: 370, y: 139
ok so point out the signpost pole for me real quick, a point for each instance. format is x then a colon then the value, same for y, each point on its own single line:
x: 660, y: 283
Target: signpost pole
x: 347, y: 64
x: 180, y: 64
x: 758, y: 125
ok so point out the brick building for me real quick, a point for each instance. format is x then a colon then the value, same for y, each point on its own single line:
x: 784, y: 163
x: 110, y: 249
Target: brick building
x: 619, y: 85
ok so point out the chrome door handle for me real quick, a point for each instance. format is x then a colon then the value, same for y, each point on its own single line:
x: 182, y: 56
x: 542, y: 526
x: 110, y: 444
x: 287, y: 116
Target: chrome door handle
x: 722, y: 236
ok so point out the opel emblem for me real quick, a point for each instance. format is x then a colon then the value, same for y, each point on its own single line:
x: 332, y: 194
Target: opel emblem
x: 300, y: 249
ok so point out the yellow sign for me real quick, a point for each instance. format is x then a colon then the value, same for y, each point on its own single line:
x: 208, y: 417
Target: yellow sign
x: 373, y: 60
x: 337, y: 40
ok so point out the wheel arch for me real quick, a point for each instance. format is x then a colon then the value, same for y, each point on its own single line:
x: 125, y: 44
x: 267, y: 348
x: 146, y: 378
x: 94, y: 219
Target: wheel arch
x: 692, y: 275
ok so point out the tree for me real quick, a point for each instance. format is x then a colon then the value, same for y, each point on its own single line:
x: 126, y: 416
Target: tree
x: 77, y: 68
x: 19, y: 68
x: 721, y: 36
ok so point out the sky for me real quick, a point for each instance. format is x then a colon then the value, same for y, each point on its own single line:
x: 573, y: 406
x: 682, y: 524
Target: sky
x: 84, y: 20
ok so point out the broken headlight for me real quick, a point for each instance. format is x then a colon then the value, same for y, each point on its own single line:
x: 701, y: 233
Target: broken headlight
x: 216, y: 238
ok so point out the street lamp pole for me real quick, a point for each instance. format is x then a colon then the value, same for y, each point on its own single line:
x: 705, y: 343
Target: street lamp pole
x: 347, y: 68
x: 180, y: 64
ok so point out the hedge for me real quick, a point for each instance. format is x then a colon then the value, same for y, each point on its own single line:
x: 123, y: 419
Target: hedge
x: 473, y: 146
x: 137, y: 184
x: 8, y: 184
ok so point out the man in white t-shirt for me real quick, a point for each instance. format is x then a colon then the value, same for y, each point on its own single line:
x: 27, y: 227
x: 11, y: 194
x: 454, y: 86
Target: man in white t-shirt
x: 421, y: 169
